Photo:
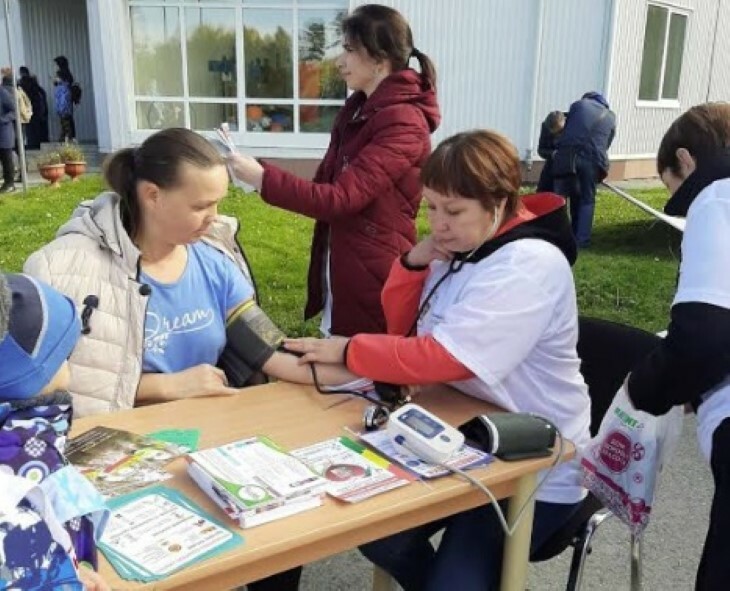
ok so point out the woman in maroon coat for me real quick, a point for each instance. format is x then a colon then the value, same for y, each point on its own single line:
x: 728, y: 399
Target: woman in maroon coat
x: 366, y: 192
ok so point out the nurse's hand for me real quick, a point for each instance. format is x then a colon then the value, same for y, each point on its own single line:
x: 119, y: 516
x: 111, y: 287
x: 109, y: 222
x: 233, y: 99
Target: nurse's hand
x: 425, y: 251
x: 331, y: 350
x: 246, y: 169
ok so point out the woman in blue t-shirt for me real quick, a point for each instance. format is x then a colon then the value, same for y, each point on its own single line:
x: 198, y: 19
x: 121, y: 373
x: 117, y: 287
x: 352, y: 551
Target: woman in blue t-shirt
x: 156, y: 273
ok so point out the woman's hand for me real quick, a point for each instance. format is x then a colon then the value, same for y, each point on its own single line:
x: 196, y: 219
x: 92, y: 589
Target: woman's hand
x: 247, y: 169
x: 331, y: 350
x: 197, y: 381
x: 201, y: 380
x: 425, y: 251
x: 91, y: 580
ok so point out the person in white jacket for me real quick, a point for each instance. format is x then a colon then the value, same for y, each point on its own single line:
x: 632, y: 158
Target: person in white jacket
x: 155, y: 272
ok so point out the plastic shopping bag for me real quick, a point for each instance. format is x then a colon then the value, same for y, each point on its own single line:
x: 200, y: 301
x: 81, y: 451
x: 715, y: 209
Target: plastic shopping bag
x: 622, y: 463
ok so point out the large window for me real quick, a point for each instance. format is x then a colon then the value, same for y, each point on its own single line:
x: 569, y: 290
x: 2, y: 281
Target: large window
x: 263, y: 66
x: 661, y: 62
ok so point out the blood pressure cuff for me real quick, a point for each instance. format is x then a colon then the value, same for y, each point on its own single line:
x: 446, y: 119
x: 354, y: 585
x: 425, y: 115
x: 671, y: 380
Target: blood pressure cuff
x: 251, y: 340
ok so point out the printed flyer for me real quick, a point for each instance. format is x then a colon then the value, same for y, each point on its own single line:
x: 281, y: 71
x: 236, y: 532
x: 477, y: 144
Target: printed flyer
x: 118, y: 462
x: 353, y: 472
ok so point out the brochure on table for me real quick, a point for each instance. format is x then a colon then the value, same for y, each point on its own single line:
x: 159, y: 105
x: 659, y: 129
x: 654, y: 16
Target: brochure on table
x: 353, y: 472
x: 156, y: 532
x: 249, y: 477
x: 119, y: 462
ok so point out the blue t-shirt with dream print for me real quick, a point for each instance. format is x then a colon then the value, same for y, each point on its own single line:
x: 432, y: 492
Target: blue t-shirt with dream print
x: 185, y: 323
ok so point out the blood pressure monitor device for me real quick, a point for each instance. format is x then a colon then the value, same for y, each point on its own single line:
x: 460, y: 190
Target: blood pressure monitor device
x: 424, y: 434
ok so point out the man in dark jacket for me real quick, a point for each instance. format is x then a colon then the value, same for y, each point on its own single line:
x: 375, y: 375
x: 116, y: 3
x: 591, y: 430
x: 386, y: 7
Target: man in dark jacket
x: 581, y: 159
x: 7, y: 132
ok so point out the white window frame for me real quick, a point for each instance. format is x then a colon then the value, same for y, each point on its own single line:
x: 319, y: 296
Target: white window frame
x: 662, y: 103
x: 265, y: 144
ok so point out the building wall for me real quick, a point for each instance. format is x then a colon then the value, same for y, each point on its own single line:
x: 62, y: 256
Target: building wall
x: 60, y: 28
x: 16, y: 33
x: 640, y: 128
x: 486, y: 55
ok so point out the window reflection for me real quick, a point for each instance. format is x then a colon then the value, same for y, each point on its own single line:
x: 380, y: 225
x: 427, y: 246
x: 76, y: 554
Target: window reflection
x: 270, y: 118
x: 319, y: 46
x: 207, y: 116
x: 211, y: 47
x: 267, y: 45
x: 317, y: 118
x: 159, y: 114
x: 156, y: 51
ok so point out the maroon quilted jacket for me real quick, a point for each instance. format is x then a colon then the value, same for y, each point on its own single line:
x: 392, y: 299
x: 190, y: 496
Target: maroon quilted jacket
x: 364, y: 196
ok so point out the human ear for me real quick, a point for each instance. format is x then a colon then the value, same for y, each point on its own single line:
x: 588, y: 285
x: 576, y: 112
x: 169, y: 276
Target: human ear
x: 687, y: 163
x: 147, y: 192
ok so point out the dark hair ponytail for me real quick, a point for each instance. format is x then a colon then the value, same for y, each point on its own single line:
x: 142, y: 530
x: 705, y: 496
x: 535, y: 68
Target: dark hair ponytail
x: 384, y: 33
x: 427, y: 67
x: 158, y: 160
x: 119, y: 175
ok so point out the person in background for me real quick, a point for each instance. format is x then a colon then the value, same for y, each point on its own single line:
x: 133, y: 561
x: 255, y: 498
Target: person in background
x: 366, y: 193
x: 8, y: 113
x: 487, y: 304
x: 580, y: 159
x: 550, y: 130
x: 691, y: 365
x: 50, y: 515
x: 37, y: 128
x: 63, y: 99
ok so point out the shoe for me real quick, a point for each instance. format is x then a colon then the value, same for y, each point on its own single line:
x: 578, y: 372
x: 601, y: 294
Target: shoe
x: 7, y: 188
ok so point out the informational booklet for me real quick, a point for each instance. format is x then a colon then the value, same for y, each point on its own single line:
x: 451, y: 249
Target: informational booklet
x: 353, y: 472
x: 119, y: 462
x: 153, y: 533
x: 249, y: 517
x: 466, y: 458
x: 252, y: 476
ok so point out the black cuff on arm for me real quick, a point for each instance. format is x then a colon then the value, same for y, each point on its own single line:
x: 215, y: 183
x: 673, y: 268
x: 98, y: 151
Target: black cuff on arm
x: 251, y: 340
x: 692, y: 359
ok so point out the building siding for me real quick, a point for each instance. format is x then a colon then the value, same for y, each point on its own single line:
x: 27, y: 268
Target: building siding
x: 485, y: 54
x: 640, y: 128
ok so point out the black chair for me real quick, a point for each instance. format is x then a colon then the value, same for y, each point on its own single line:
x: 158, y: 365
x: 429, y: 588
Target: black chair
x: 608, y: 352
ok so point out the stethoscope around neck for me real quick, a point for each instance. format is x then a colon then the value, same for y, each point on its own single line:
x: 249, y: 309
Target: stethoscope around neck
x: 456, y: 264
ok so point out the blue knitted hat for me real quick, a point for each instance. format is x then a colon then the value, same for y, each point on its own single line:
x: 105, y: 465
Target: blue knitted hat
x: 43, y: 328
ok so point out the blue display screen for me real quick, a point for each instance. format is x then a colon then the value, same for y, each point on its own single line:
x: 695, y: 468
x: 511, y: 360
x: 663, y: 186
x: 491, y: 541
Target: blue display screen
x: 421, y: 423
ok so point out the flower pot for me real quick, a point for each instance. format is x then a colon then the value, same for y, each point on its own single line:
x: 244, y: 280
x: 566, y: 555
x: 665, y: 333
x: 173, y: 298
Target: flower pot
x: 75, y: 169
x: 52, y: 173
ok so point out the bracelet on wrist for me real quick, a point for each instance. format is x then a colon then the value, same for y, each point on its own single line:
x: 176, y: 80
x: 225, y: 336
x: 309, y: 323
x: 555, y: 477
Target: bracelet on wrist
x: 408, y: 266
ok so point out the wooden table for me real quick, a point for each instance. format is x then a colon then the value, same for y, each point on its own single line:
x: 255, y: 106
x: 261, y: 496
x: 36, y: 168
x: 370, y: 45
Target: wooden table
x: 295, y: 416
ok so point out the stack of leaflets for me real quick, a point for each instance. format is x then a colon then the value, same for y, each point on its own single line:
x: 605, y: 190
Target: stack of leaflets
x: 256, y: 481
x: 156, y: 532
x: 353, y: 472
x: 119, y: 462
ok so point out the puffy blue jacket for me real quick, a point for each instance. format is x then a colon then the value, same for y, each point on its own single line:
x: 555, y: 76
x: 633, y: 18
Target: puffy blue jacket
x: 7, y: 118
x: 589, y: 128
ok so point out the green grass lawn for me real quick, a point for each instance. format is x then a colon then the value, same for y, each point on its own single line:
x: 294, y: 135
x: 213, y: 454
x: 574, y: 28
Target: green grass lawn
x: 628, y: 274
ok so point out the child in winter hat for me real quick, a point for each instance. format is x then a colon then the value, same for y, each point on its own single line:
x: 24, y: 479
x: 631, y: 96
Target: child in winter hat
x: 39, y: 328
x: 43, y: 328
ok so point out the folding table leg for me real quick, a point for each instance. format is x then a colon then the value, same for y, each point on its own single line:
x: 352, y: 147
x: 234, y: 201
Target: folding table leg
x: 517, y: 546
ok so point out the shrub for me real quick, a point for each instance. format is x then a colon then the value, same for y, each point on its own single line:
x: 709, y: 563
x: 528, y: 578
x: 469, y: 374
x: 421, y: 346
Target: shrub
x: 72, y: 153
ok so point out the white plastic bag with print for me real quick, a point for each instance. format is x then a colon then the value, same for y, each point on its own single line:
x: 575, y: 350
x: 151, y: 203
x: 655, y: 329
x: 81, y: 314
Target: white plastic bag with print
x: 622, y: 463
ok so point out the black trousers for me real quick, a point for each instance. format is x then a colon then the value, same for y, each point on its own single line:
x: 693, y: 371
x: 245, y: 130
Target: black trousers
x: 714, y: 571
x: 68, y: 128
x: 6, y: 159
x: 284, y: 581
